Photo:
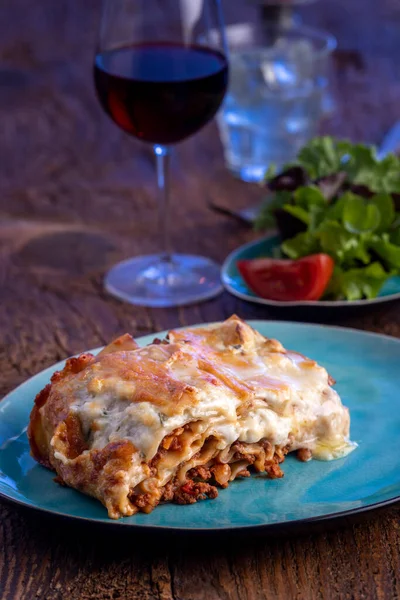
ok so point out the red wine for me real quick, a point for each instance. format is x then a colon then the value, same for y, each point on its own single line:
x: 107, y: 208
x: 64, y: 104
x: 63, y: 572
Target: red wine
x: 163, y: 92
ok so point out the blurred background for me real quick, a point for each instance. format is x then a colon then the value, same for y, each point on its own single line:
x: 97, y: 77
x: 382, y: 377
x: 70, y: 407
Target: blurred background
x: 77, y: 193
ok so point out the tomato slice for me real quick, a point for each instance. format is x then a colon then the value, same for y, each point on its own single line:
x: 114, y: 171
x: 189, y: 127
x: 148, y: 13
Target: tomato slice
x: 288, y: 280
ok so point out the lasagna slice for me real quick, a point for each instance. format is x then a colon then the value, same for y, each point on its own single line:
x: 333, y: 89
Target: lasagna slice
x: 177, y: 419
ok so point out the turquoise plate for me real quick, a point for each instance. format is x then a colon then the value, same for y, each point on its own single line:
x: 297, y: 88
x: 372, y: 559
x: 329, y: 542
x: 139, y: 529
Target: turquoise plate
x: 266, y: 246
x: 366, y: 367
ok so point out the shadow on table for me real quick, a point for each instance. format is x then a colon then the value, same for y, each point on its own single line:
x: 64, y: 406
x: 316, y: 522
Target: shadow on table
x: 85, y: 537
x: 351, y: 316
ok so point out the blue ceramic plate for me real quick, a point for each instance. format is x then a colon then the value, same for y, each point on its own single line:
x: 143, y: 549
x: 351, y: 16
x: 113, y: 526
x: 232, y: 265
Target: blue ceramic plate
x: 366, y: 367
x: 235, y: 284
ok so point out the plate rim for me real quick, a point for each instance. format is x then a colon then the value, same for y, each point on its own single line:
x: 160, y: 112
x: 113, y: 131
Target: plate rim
x: 263, y: 527
x: 270, y: 527
x: 232, y: 256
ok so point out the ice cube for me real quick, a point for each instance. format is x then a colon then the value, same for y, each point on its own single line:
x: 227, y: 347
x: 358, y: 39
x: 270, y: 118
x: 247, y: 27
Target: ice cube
x: 279, y: 74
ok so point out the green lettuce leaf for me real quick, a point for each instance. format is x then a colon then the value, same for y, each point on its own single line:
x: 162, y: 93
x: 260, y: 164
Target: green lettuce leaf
x: 386, y: 250
x: 344, y: 247
x: 359, y: 215
x: 325, y: 155
x: 301, y: 245
x: 321, y: 157
x: 309, y: 196
x: 298, y: 212
x: 384, y: 203
x: 356, y: 284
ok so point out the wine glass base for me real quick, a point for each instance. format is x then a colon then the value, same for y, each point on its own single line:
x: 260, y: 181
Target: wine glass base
x: 153, y: 281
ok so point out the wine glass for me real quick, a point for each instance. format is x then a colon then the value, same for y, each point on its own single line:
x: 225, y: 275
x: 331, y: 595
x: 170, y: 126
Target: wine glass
x: 161, y: 73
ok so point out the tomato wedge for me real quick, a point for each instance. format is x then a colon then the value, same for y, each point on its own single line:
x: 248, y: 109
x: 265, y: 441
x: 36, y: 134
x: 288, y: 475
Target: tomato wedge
x: 288, y: 280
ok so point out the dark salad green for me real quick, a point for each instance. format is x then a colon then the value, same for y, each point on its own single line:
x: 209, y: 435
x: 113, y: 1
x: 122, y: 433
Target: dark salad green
x: 337, y: 198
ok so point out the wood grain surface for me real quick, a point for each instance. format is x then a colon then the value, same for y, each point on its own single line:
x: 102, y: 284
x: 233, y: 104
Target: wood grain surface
x: 78, y: 195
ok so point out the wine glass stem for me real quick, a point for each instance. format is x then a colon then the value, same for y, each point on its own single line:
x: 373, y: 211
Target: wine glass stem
x: 162, y: 158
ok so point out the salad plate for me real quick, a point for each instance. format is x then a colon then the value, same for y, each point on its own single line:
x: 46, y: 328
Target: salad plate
x: 336, y: 209
x: 266, y: 247
x: 365, y: 367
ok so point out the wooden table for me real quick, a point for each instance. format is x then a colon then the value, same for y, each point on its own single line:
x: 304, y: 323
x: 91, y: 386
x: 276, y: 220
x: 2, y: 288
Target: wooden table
x: 78, y: 195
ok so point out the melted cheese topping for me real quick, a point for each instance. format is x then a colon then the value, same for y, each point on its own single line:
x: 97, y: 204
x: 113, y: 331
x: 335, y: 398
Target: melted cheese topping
x: 238, y: 384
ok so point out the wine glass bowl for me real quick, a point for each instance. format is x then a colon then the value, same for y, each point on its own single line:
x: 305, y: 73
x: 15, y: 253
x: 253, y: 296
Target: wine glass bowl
x: 160, y: 85
x: 146, y: 99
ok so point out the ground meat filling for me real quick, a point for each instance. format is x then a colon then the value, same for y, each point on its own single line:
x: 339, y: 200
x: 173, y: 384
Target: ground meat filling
x: 202, y: 481
x: 304, y: 454
x: 192, y: 492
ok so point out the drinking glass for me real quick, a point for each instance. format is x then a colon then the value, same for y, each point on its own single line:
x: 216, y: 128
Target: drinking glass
x: 279, y: 81
x: 159, y: 84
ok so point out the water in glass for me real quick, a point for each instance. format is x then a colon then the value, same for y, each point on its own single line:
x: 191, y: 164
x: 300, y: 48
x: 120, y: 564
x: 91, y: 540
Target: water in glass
x: 272, y: 108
